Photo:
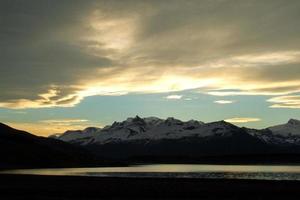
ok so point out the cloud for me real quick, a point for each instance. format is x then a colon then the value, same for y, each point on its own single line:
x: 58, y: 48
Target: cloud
x: 55, y: 56
x: 285, y: 102
x: 52, y: 126
x: 242, y: 120
x: 174, y: 97
x: 188, y: 99
x: 224, y: 101
x: 64, y: 121
x: 19, y: 112
x: 42, y: 129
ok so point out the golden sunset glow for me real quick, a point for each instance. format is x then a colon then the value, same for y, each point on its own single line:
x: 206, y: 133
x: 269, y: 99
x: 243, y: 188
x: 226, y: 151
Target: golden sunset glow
x: 242, y: 120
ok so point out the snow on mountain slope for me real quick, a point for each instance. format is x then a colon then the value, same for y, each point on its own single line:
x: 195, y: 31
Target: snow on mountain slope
x: 168, y: 129
x: 78, y: 135
x: 153, y: 128
x: 283, y: 135
x: 292, y: 128
x: 55, y: 136
x: 150, y: 128
x: 269, y: 137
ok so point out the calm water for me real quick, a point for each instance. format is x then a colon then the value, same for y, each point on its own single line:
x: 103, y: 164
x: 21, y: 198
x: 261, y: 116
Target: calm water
x: 266, y: 172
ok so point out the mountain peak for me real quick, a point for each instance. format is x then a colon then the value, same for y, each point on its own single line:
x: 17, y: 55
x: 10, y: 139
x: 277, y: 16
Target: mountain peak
x: 288, y: 129
x: 153, y: 120
x: 294, y: 122
x: 137, y: 119
x: 133, y: 119
x: 221, y: 122
x: 91, y: 129
x: 173, y: 121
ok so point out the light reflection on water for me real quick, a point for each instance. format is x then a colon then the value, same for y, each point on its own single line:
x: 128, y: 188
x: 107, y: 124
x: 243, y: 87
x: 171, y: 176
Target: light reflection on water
x: 266, y: 172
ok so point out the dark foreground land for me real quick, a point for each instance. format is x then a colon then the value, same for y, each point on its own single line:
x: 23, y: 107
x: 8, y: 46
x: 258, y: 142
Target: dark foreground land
x: 74, y: 187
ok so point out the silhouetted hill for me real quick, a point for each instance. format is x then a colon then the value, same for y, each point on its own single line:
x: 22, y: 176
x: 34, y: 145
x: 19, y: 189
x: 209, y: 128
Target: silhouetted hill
x: 22, y: 149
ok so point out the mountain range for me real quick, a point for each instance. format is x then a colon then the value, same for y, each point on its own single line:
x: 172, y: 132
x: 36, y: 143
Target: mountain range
x: 151, y: 139
x: 152, y: 128
x: 140, y: 138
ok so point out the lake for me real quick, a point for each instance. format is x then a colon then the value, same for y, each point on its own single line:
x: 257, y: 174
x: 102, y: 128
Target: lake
x: 261, y: 172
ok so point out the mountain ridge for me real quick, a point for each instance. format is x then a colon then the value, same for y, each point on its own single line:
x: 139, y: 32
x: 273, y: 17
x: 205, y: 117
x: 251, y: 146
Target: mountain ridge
x: 149, y: 140
x: 158, y: 128
x: 154, y: 137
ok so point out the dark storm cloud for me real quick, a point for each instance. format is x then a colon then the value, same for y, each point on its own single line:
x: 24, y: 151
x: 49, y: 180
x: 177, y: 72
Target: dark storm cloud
x: 39, y: 47
x: 54, y: 52
x: 194, y: 32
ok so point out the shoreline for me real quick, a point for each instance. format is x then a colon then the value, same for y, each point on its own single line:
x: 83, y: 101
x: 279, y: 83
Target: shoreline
x: 80, y: 187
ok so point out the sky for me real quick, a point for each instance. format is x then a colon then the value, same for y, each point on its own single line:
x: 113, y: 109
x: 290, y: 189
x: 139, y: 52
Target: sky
x: 73, y: 64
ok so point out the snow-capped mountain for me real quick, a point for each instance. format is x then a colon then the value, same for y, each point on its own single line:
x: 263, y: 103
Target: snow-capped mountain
x: 292, y: 128
x: 270, y: 137
x: 77, y: 135
x: 153, y: 128
x: 283, y: 135
x: 152, y: 136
